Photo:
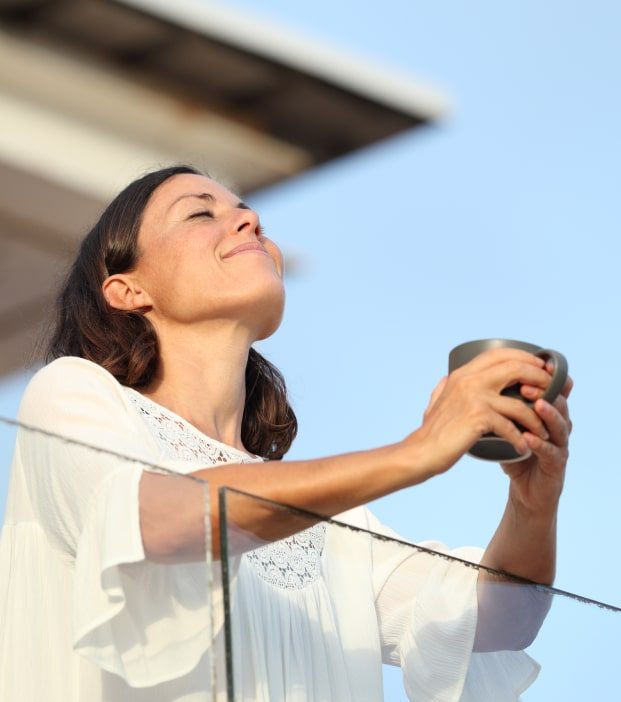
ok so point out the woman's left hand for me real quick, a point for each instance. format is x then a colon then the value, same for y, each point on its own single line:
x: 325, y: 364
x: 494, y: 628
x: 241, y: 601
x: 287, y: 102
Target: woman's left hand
x: 537, y: 482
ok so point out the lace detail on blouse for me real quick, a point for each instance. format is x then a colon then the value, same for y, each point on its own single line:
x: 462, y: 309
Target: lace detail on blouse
x: 180, y: 440
x: 291, y: 563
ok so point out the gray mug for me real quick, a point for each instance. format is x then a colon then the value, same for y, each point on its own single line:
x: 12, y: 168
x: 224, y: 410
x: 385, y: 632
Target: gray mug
x: 491, y: 447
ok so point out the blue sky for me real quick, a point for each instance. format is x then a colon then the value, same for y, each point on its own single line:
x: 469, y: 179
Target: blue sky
x: 500, y: 221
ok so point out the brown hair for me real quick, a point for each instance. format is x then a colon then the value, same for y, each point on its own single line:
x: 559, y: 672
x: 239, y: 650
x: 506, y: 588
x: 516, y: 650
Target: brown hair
x: 125, y: 343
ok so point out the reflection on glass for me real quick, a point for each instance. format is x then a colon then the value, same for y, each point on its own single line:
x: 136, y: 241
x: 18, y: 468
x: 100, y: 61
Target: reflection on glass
x: 90, y: 599
x: 314, y: 607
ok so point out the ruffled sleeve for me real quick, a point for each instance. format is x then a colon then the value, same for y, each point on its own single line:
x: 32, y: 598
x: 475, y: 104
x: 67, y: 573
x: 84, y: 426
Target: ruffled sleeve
x: 427, y: 613
x: 144, y: 621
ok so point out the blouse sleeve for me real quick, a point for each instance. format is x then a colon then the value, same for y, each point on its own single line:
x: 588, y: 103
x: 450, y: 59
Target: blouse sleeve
x: 144, y: 621
x: 427, y: 612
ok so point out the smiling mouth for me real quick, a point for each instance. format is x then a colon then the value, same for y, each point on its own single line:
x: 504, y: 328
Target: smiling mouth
x: 246, y: 248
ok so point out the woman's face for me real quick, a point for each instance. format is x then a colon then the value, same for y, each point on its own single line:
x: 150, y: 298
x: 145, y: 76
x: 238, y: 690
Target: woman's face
x: 203, y: 256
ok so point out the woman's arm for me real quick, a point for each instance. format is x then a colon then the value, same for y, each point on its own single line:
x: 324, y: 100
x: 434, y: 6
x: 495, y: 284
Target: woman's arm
x: 465, y: 406
x: 510, y: 615
x: 172, y: 508
x: 525, y: 541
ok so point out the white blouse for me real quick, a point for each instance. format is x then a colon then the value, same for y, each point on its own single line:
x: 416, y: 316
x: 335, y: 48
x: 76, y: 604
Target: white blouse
x: 85, y: 616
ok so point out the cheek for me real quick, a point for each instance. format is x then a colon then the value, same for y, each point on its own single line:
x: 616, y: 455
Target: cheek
x: 162, y: 272
x: 276, y: 255
x: 174, y: 275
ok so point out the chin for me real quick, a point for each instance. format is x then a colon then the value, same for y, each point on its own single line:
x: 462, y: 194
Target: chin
x: 270, y: 314
x: 258, y: 307
x: 269, y: 329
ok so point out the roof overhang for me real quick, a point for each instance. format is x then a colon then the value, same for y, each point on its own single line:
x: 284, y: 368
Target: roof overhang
x: 95, y: 92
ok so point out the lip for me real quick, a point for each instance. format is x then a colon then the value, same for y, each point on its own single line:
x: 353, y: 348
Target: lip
x: 244, y: 248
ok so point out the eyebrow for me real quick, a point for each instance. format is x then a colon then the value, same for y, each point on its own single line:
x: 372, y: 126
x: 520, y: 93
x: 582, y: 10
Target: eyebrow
x: 207, y: 197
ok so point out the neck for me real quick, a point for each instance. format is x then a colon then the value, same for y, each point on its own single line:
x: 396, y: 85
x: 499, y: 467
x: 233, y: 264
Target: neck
x: 201, y: 377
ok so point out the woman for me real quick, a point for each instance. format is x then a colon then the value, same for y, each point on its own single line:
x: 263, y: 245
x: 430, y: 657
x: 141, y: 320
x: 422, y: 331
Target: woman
x: 103, y: 596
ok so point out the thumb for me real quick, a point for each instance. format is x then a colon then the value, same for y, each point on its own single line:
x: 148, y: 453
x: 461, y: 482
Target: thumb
x: 438, y: 390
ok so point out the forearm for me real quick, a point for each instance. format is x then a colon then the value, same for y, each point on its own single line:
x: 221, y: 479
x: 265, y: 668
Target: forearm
x: 172, y: 509
x: 511, y: 613
x: 525, y: 543
x: 326, y: 486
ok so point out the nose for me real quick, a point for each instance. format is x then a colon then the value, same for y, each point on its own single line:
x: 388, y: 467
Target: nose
x: 247, y: 222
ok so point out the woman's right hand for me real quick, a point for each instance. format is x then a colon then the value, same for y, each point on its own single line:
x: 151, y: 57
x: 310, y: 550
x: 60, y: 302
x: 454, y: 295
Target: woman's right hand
x: 468, y: 404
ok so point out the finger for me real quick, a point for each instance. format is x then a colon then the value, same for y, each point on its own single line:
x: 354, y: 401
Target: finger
x: 506, y: 429
x: 545, y: 451
x: 493, y: 357
x: 558, y: 426
x: 568, y: 387
x: 562, y: 406
x: 533, y: 394
x: 521, y: 413
x: 552, y: 459
x: 506, y: 374
x: 530, y: 392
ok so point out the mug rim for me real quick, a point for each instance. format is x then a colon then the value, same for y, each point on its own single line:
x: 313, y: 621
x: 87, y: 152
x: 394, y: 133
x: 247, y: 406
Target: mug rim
x: 502, y: 343
x: 491, y: 343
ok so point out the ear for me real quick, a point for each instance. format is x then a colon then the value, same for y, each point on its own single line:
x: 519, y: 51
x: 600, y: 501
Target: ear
x: 122, y: 292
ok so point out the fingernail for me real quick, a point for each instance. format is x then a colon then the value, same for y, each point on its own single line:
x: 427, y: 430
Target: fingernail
x: 544, y: 435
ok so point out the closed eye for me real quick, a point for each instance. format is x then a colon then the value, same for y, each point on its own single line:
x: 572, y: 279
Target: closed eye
x: 208, y: 213
x: 203, y: 213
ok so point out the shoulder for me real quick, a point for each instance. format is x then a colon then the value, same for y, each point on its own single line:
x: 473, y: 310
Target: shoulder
x: 69, y: 371
x: 70, y: 381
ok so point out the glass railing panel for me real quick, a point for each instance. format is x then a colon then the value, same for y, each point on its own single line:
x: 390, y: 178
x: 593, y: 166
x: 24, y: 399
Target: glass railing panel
x: 107, y: 572
x: 315, y: 608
